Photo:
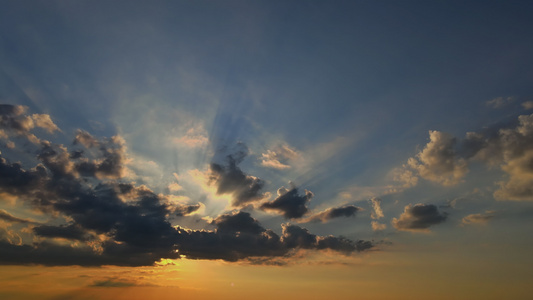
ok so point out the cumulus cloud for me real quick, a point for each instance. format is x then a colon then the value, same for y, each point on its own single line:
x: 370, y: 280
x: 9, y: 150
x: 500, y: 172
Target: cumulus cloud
x: 418, y: 217
x: 482, y: 218
x: 230, y: 179
x: 438, y: 161
x: 15, y: 122
x: 512, y: 149
x: 111, y: 159
x: 332, y: 213
x: 289, y: 203
x: 239, y: 236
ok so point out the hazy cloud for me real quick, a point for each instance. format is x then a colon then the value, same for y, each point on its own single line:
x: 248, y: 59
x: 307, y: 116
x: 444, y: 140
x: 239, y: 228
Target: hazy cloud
x: 279, y: 158
x: 499, y: 102
x: 482, y: 218
x: 4, y: 215
x: 418, y: 217
x: 527, y: 105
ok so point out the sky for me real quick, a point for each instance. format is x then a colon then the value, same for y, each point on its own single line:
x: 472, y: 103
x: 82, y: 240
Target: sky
x: 288, y: 149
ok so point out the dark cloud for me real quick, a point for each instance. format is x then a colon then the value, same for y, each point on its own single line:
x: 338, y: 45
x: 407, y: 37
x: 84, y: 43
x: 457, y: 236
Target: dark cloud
x: 289, y: 203
x: 332, y: 213
x: 71, y: 232
x: 137, y: 231
x: 418, y: 217
x: 239, y: 236
x: 110, y: 162
x: 240, y: 222
x: 114, y: 222
x: 185, y: 210
x: 113, y: 283
x: 230, y: 179
x: 297, y: 237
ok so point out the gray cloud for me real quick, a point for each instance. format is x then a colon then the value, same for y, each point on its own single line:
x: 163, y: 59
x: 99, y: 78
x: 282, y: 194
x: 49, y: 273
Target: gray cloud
x: 239, y: 236
x: 230, y: 179
x: 112, y: 222
x: 418, y: 217
x: 332, y: 213
x: 185, y: 209
x: 481, y: 218
x: 510, y: 147
x: 71, y: 232
x: 289, y: 203
x: 438, y: 161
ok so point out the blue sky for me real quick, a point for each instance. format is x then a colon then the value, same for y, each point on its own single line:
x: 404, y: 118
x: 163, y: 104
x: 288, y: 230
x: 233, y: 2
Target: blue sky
x: 419, y: 109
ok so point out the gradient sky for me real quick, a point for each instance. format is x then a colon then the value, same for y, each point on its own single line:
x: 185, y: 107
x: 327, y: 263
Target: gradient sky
x: 287, y: 149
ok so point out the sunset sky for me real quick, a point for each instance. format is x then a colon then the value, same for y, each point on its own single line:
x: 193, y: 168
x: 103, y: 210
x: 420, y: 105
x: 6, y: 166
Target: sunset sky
x: 266, y: 149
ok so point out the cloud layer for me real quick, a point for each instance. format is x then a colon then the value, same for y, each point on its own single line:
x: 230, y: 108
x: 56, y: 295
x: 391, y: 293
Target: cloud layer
x: 102, y: 217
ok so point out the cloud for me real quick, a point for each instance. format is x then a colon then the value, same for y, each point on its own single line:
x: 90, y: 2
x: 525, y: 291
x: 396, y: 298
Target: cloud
x: 239, y: 236
x: 279, y: 158
x: 499, y: 102
x: 113, y: 282
x: 119, y: 223
x: 111, y: 221
x: 71, y: 232
x: 438, y: 161
x: 15, y: 122
x: 230, y: 179
x: 418, y: 217
x: 298, y: 237
x: 376, y: 207
x: 111, y: 156
x: 376, y: 226
x: 289, y: 203
x: 482, y: 218
x: 527, y: 105
x: 4, y: 215
x: 184, y: 210
x: 512, y: 149
x: 332, y: 213
x: 195, y: 137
